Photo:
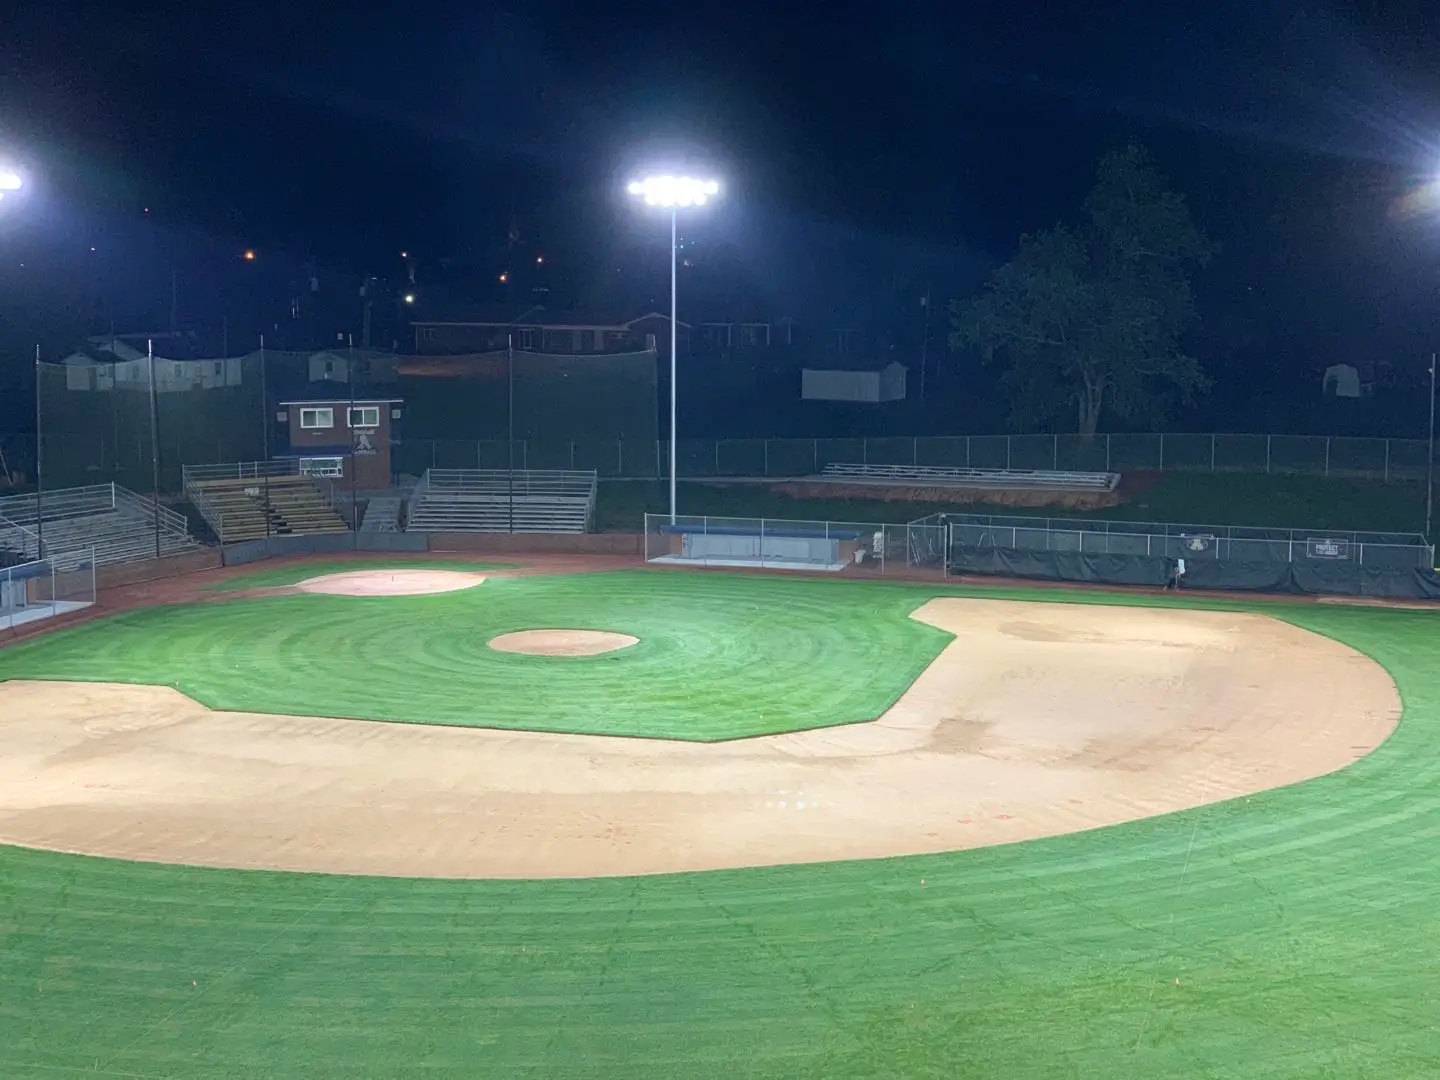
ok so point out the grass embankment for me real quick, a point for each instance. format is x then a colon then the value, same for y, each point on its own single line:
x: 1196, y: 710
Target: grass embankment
x: 1290, y: 502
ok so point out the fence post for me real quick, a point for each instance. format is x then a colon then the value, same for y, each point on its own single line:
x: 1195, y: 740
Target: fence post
x: 914, y: 451
x: 1267, y: 458
x: 659, y: 472
x: 1107, y: 451
x: 1212, y: 452
x: 572, y: 455
x: 1055, y: 453
x: 864, y: 451
x: 765, y: 465
x: 1327, y: 455
x: 525, y: 454
x: 717, y: 457
x: 1387, y: 461
x: 1007, y: 453
x: 967, y: 460
x: 814, y: 455
x: 1162, y: 451
x: 619, y: 457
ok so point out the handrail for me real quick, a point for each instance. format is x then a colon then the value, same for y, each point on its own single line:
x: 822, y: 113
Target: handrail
x: 169, y: 519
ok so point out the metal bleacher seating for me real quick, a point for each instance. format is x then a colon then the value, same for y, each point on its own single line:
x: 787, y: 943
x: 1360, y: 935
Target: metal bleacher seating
x: 494, y: 500
x: 240, y: 505
x: 117, y: 523
x: 382, y: 514
x: 944, y: 476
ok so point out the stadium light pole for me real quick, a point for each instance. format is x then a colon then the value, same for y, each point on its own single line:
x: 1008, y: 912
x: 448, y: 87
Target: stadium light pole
x: 673, y: 192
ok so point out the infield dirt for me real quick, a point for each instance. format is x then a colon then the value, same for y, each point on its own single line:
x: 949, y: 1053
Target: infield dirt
x: 1037, y: 719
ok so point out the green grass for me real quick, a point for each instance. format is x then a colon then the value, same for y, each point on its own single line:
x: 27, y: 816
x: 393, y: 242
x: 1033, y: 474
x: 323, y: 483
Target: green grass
x: 1289, y: 502
x: 720, y: 657
x: 1301, y: 925
x: 292, y: 573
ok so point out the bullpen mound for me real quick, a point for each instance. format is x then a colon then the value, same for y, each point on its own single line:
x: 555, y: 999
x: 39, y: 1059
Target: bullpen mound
x: 391, y: 582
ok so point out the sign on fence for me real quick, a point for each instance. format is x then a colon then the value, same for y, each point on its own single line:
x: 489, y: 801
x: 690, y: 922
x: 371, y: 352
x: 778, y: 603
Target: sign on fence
x: 1323, y: 547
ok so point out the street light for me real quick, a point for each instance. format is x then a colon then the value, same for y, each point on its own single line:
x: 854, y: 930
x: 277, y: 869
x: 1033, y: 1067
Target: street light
x: 673, y: 192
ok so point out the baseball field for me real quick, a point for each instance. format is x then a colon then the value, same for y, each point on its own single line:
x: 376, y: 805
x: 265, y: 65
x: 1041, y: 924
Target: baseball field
x: 443, y: 819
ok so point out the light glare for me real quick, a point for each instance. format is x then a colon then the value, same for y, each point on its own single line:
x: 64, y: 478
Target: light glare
x: 674, y: 190
x: 9, y: 180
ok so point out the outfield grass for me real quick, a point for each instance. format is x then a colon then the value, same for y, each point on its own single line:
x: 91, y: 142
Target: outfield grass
x: 1300, y: 925
x: 720, y: 656
x: 1286, y: 502
x: 270, y: 576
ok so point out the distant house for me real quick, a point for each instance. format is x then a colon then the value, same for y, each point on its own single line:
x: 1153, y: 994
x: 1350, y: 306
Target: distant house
x: 1341, y: 380
x: 868, y: 386
x: 335, y: 365
x: 539, y: 329
x: 106, y: 363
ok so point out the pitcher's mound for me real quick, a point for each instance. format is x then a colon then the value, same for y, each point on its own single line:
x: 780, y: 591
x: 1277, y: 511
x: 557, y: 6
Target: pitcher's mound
x: 391, y: 582
x: 562, y: 642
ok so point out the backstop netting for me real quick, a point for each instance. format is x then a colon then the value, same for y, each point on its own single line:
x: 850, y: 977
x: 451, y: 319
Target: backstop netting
x: 95, y: 417
x: 550, y: 398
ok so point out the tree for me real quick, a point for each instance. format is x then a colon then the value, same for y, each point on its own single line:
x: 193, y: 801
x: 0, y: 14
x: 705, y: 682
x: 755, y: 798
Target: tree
x: 1091, y: 316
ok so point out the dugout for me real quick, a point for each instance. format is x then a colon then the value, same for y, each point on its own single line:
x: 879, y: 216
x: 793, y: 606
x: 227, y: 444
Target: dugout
x: 773, y: 545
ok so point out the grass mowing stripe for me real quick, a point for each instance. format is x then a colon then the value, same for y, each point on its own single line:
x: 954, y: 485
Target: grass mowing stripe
x: 734, y: 658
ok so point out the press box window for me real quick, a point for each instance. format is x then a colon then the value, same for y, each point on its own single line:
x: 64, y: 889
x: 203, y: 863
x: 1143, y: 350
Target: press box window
x: 322, y: 466
x: 313, y: 419
x: 365, y: 416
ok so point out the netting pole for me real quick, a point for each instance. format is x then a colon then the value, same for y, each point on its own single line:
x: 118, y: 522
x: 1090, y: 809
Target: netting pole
x: 1430, y: 457
x: 265, y: 433
x: 154, y: 446
x: 510, y: 426
x: 39, y: 467
x: 349, y: 412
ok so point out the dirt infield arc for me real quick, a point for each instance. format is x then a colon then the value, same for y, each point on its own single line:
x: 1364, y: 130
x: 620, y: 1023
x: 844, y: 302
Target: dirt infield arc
x: 1038, y: 719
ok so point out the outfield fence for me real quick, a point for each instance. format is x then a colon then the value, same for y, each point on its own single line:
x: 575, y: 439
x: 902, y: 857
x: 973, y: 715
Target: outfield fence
x: 1186, y: 541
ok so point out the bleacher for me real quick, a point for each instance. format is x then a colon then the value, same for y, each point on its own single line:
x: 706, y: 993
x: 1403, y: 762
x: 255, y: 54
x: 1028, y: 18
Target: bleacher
x: 495, y: 500
x: 117, y: 523
x: 240, y: 505
x: 944, y: 476
x: 382, y: 514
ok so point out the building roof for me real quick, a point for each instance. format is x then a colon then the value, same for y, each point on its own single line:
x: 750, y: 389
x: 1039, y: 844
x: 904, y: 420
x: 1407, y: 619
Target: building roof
x: 345, y: 401
x: 537, y: 315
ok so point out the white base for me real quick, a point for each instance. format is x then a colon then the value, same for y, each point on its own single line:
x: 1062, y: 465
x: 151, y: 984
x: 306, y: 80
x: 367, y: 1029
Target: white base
x: 760, y: 564
x: 12, y: 617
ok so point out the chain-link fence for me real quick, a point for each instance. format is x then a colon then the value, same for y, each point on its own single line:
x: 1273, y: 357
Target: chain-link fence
x: 1309, y: 455
x: 1187, y: 541
x: 106, y: 452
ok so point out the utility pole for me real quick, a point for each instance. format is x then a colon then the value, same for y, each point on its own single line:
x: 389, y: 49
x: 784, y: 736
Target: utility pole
x: 925, y: 341
x: 154, y: 446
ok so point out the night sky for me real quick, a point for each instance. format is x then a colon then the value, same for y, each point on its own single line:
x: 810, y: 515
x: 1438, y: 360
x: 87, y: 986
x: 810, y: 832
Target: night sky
x: 866, y: 149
